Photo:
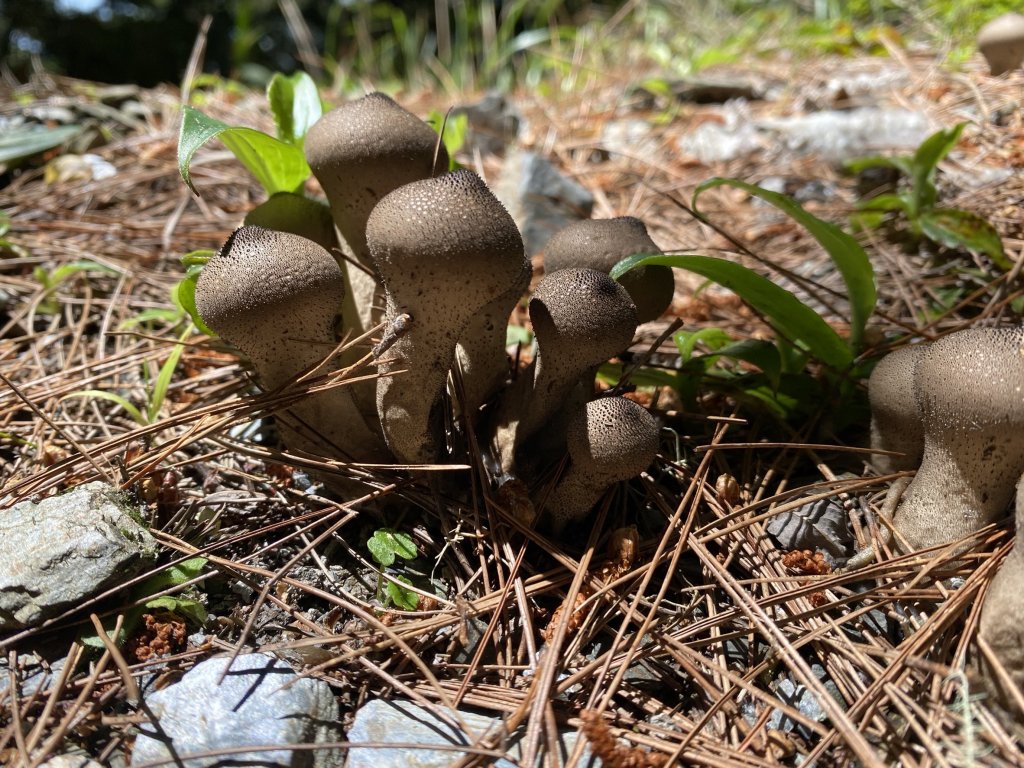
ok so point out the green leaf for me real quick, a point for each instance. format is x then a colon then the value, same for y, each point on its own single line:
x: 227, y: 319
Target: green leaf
x: 163, y: 379
x: 888, y: 202
x: 172, y: 576
x: 24, y: 142
x: 190, y: 609
x: 5, y: 223
x: 386, y: 543
x: 278, y: 166
x: 759, y: 352
x: 405, y: 599
x: 902, y: 163
x: 197, y: 258
x: 113, y: 397
x: 927, y: 157
x: 295, y: 105
x: 713, y: 338
x: 846, y: 253
x: 784, y: 311
x: 517, y: 334
x: 955, y: 228
x: 184, y: 295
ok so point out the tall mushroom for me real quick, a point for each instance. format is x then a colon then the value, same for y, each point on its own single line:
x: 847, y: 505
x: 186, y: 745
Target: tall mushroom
x: 275, y: 295
x: 609, y: 440
x: 602, y: 243
x: 1001, y: 42
x: 581, y: 317
x: 445, y: 249
x: 896, y: 421
x: 359, y: 152
x: 1002, y: 616
x: 971, y: 389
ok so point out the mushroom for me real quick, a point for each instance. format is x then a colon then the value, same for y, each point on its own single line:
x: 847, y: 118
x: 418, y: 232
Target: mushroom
x: 896, y: 423
x: 970, y: 385
x: 359, y: 152
x: 298, y: 214
x: 601, y: 244
x: 274, y: 295
x: 1001, y: 624
x: 445, y: 249
x: 610, y: 439
x: 581, y: 317
x: 1001, y: 42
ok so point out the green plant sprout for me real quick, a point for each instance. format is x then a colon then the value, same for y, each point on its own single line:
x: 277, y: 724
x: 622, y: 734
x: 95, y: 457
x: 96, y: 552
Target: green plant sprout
x: 51, y: 280
x: 385, y: 545
x: 6, y: 244
x: 914, y: 205
x: 453, y: 129
x: 186, y: 605
x: 277, y: 163
x: 156, y: 395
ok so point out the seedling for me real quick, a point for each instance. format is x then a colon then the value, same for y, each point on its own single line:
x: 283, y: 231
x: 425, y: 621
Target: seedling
x: 385, y: 545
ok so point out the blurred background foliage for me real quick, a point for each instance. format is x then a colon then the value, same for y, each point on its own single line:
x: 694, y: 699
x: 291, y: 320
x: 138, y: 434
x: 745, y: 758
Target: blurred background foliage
x: 456, y: 44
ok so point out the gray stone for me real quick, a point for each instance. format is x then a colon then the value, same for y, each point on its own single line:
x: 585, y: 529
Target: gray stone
x: 64, y: 549
x: 70, y: 761
x: 261, y: 702
x: 402, y: 722
x: 540, y: 198
x: 821, y: 525
x: 493, y: 123
x: 838, y: 135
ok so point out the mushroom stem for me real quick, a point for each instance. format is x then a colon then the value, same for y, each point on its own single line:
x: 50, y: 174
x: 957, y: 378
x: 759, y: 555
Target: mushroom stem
x: 896, y: 420
x: 445, y: 249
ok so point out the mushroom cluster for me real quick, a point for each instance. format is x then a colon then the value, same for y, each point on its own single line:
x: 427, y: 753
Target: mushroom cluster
x: 962, y: 397
x: 435, y: 260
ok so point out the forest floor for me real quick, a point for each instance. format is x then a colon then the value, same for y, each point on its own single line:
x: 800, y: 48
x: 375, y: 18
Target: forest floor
x: 679, y: 647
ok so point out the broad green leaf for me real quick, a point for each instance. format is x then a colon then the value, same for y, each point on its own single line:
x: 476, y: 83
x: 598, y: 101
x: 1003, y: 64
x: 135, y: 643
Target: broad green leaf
x: 172, y: 576
x: 784, y: 311
x: 955, y: 228
x: 405, y: 599
x: 846, y: 253
x: 278, y: 166
x: 886, y: 203
x: 386, y: 543
x: 763, y: 354
x: 687, y: 341
x: 22, y: 143
x: 113, y: 397
x: 295, y: 105
x: 193, y: 610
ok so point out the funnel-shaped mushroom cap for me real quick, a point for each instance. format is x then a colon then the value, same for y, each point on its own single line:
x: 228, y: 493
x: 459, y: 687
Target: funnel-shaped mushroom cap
x: 610, y: 440
x: 1001, y: 42
x: 971, y: 390
x: 1002, y: 616
x: 601, y: 244
x: 445, y: 248
x: 896, y: 420
x: 274, y: 295
x: 364, y: 149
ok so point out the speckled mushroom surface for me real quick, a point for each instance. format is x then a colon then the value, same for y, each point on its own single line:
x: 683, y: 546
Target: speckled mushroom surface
x: 971, y: 390
x: 896, y: 420
x: 610, y: 439
x: 275, y: 295
x: 1001, y: 42
x: 601, y: 244
x: 1002, y: 616
x: 445, y: 249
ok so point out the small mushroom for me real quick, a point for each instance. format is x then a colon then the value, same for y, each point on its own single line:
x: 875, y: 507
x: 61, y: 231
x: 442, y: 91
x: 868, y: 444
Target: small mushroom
x: 359, y: 152
x: 1002, y: 616
x: 609, y: 440
x: 274, y: 295
x: 971, y: 389
x: 298, y: 214
x: 601, y: 244
x: 581, y: 317
x: 445, y: 249
x: 896, y: 422
x: 1001, y: 42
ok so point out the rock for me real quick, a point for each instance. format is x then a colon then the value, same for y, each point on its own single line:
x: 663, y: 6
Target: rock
x: 402, y: 722
x: 734, y: 136
x: 493, y: 123
x: 70, y: 761
x: 261, y: 702
x: 540, y: 198
x: 64, y: 549
x: 821, y: 525
x: 841, y: 134
x: 631, y: 137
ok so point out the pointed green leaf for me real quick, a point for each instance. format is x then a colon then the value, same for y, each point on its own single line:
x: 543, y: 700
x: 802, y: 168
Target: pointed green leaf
x: 955, y: 228
x: 926, y: 159
x: 295, y: 105
x: 113, y: 397
x: 759, y: 352
x: 846, y: 253
x: 278, y: 166
x: 784, y: 311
